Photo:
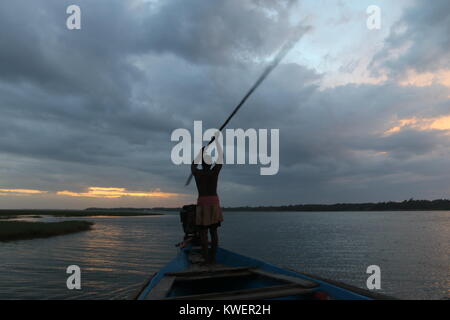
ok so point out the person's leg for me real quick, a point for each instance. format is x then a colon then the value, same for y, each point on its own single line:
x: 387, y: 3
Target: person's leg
x: 214, y: 243
x: 204, y: 242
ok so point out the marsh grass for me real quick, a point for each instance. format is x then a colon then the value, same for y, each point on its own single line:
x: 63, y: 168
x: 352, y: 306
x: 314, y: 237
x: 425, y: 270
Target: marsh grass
x: 7, y: 217
x: 21, y: 230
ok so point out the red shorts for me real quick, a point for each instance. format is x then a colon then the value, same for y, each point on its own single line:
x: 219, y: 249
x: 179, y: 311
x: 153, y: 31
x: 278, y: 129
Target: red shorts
x: 208, y: 212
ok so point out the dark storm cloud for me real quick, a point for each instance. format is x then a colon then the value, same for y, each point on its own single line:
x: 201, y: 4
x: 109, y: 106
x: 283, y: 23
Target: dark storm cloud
x: 81, y: 97
x: 421, y: 37
x: 218, y: 32
x: 335, y: 141
x: 96, y: 107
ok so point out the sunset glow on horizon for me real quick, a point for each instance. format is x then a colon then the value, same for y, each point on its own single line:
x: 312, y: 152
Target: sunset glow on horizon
x: 10, y: 192
x: 95, y: 192
x: 114, y: 193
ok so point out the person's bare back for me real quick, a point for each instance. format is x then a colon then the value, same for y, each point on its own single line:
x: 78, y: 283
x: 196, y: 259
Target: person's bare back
x: 206, y: 180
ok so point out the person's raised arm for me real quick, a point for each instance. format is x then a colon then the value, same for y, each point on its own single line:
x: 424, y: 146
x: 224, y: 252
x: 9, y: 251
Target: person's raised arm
x: 196, y: 161
x: 193, y: 168
x: 219, y: 161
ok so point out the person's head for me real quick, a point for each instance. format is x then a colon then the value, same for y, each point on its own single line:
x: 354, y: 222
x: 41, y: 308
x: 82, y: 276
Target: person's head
x: 206, y: 161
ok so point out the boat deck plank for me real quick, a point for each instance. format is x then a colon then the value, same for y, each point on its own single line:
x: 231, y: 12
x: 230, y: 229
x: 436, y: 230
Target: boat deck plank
x: 209, y: 276
x: 302, y: 282
x: 209, y: 270
x: 251, y: 294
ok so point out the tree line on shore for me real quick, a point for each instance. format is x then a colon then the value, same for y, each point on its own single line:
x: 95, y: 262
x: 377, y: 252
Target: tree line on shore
x: 407, y: 205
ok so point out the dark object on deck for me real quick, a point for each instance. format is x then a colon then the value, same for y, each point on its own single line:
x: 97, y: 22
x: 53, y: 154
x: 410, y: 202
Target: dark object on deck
x: 237, y: 277
x: 190, y: 229
x: 187, y: 217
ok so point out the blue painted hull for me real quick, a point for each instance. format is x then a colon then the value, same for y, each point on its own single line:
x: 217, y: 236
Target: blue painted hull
x: 327, y: 289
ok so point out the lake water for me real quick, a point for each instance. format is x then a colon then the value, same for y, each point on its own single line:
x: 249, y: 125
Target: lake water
x: 411, y: 248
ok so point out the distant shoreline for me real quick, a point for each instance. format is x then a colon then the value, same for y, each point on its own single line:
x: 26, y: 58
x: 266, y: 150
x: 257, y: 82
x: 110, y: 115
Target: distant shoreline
x: 407, y: 205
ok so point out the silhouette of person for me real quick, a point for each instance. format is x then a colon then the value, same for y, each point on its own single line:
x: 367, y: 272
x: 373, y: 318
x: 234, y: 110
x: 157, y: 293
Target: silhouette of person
x: 208, y: 212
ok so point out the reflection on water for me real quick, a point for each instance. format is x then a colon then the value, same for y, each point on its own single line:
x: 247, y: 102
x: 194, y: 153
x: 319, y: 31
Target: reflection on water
x: 412, y: 249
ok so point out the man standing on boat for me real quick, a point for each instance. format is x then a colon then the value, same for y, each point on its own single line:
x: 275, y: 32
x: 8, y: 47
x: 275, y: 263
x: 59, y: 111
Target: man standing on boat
x: 208, y: 213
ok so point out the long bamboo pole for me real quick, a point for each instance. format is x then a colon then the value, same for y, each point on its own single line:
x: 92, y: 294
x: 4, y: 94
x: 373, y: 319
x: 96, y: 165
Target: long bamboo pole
x: 275, y: 62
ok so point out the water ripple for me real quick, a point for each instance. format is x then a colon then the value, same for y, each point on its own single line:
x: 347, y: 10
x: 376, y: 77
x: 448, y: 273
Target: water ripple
x: 412, y: 249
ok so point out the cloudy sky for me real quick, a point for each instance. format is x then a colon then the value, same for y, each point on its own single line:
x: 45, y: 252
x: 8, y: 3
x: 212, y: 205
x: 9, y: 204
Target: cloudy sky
x: 87, y: 115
